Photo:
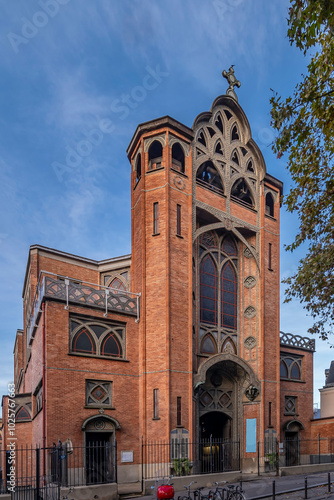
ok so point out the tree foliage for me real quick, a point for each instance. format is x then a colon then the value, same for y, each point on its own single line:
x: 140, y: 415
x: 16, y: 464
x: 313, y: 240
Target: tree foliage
x: 305, y: 125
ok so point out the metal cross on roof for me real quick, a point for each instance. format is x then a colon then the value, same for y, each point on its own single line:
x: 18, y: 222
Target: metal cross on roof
x: 232, y: 81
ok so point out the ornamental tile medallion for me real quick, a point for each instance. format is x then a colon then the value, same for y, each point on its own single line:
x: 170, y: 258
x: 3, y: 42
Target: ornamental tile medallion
x: 250, y: 312
x: 250, y: 282
x: 250, y: 342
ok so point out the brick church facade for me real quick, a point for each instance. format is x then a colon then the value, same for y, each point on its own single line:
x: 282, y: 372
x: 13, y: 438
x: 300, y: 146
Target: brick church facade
x: 181, y: 338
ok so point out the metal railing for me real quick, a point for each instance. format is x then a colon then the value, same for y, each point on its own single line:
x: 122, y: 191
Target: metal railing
x: 181, y: 457
x: 74, y: 291
x: 46, y: 470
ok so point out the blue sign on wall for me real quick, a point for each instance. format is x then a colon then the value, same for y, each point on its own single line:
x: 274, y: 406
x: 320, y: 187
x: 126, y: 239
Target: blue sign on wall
x: 250, y: 435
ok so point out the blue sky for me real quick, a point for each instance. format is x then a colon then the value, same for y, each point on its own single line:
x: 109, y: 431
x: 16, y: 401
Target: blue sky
x: 77, y: 69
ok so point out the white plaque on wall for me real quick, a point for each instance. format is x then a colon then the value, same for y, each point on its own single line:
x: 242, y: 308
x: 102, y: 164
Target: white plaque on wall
x: 126, y: 456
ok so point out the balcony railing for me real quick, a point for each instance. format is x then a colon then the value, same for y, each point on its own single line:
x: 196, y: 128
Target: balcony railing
x: 290, y: 340
x: 72, y: 291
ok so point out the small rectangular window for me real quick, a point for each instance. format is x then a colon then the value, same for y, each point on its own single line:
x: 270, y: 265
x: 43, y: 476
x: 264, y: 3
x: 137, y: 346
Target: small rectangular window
x: 156, y: 218
x: 155, y: 403
x: 178, y: 411
x: 269, y: 258
x: 178, y: 220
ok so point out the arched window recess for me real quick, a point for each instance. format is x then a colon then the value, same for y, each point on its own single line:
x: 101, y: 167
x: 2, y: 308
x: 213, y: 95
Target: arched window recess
x: 208, y: 345
x: 207, y: 176
x: 178, y: 157
x: 219, y: 148
x: 117, y: 286
x: 235, y: 157
x: 235, y: 136
x: 155, y: 155
x: 138, y: 168
x: 250, y: 167
x: 269, y: 205
x: 241, y: 192
x: 201, y: 138
x: 219, y: 123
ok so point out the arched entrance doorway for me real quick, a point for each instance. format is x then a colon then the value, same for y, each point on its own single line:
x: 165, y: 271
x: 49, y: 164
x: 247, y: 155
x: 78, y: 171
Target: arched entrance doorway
x: 216, y: 424
x: 292, y: 442
x: 221, y: 387
x: 100, y: 449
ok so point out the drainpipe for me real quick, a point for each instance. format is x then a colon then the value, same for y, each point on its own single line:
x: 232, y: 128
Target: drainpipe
x: 44, y: 388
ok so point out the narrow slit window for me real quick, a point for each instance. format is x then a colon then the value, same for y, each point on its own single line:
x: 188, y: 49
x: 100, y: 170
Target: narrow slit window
x: 156, y: 218
x: 155, y: 403
x: 178, y: 220
x: 178, y: 411
x: 269, y: 258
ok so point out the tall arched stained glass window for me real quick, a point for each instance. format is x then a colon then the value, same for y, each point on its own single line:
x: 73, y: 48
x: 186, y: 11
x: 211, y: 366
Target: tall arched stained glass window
x: 208, y: 291
x: 229, y: 296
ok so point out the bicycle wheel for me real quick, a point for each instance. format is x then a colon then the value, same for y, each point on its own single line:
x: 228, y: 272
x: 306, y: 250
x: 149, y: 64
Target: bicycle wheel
x: 183, y: 497
x: 237, y: 495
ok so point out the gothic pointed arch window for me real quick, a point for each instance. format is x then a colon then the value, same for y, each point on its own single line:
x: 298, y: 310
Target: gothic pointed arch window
x: 235, y: 133
x: 117, y: 285
x: 291, y: 367
x: 219, y: 148
x: 219, y: 123
x: 229, y: 246
x: 235, y: 157
x: 92, y: 337
x: 110, y: 346
x: 229, y: 347
x: 207, y: 176
x: 208, y: 345
x: 22, y: 415
x: 178, y: 157
x: 83, y: 342
x: 218, y: 281
x: 208, y: 291
x: 201, y: 138
x: 250, y: 167
x: 241, y: 191
x: 229, y: 296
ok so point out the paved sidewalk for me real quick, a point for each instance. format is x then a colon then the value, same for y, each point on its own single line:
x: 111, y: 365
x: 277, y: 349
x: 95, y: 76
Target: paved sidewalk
x: 257, y: 486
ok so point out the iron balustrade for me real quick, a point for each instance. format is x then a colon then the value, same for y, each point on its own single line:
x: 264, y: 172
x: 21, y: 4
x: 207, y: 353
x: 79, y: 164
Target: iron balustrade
x: 74, y: 291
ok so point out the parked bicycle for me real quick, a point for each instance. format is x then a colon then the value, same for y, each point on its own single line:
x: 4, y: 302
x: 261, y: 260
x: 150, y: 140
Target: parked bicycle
x: 65, y: 497
x: 230, y: 492
x: 219, y: 492
x: 198, y: 495
x: 188, y: 495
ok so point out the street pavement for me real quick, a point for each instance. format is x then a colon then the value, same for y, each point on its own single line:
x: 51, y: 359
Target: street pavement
x: 258, y: 486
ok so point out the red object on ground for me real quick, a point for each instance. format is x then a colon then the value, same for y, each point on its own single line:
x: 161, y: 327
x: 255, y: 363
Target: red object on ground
x: 165, y: 491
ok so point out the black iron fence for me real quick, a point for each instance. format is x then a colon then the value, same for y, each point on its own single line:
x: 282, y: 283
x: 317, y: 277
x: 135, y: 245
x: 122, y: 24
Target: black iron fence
x: 294, y: 451
x: 41, y: 472
x: 272, y: 454
x: 181, y: 457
